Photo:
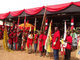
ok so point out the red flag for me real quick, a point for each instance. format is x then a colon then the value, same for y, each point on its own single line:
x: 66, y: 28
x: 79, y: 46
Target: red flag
x: 72, y: 23
x: 46, y: 24
x: 27, y: 21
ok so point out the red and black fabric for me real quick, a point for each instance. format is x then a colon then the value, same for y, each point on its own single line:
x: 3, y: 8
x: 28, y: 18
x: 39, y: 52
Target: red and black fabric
x: 55, y: 8
x: 33, y: 11
x: 72, y: 23
x: 4, y: 15
x: 16, y: 13
x: 46, y: 25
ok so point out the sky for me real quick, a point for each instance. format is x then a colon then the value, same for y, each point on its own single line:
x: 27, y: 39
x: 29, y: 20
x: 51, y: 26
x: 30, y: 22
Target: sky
x: 13, y: 5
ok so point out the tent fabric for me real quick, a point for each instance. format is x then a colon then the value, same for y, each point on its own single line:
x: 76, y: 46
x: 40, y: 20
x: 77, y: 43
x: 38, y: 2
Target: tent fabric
x: 55, y: 8
x: 3, y: 16
x: 33, y: 11
x: 16, y: 13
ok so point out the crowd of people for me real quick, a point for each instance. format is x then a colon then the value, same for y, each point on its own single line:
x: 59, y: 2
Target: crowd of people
x: 20, y: 40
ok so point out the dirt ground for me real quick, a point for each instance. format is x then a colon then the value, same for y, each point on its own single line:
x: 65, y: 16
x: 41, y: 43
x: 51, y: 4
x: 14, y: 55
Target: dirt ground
x: 22, y: 55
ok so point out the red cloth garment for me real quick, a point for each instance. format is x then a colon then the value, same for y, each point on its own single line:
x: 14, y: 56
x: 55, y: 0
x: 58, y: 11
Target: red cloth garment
x: 69, y: 39
x: 16, y: 13
x: 14, y: 37
x: 40, y: 42
x: 10, y: 38
x: 33, y: 11
x: 36, y: 38
x: 29, y: 40
x: 56, y: 35
x: 4, y: 15
x: 44, y: 39
x: 0, y: 34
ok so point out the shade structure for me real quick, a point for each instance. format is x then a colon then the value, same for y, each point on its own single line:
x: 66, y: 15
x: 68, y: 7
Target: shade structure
x: 67, y: 7
x: 27, y: 26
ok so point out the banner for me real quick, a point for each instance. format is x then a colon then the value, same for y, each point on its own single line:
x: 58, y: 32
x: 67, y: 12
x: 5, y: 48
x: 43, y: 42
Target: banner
x: 48, y: 40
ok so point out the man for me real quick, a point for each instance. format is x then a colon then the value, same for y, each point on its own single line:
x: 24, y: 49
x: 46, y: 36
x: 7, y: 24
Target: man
x: 35, y: 41
x: 56, y: 43
x: 41, y: 43
x: 74, y: 40
x: 44, y: 39
x: 68, y: 47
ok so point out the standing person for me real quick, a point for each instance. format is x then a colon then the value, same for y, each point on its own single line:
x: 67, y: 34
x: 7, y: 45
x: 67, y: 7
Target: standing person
x: 14, y: 40
x: 29, y: 42
x: 78, y: 47
x: 0, y: 33
x: 41, y: 43
x: 74, y: 40
x: 19, y: 40
x: 56, y: 43
x: 44, y: 39
x: 68, y: 47
x: 35, y: 41
x: 10, y: 41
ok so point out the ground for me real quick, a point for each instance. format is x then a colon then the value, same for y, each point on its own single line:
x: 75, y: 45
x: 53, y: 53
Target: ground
x: 22, y: 55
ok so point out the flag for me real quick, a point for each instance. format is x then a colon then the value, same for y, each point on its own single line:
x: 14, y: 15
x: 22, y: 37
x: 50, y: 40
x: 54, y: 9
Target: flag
x: 63, y: 44
x: 46, y: 24
x: 72, y: 23
x: 64, y: 30
x: 43, y: 21
x: 48, y: 39
x: 5, y: 40
x: 30, y: 29
x: 27, y: 21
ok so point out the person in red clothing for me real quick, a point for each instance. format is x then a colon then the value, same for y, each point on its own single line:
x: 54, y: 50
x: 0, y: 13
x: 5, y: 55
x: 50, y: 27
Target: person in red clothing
x: 14, y: 39
x: 0, y: 33
x: 41, y: 43
x: 68, y: 47
x: 44, y: 39
x: 35, y: 41
x: 29, y: 42
x: 11, y: 40
x: 56, y: 43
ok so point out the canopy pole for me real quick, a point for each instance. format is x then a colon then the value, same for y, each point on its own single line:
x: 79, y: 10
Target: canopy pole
x: 35, y: 25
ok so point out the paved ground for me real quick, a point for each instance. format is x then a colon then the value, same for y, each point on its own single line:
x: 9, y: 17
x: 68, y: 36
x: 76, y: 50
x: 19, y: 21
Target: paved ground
x: 22, y: 55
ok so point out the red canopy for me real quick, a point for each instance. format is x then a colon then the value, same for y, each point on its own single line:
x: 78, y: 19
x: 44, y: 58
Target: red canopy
x: 54, y: 8
x: 3, y: 16
x: 33, y: 11
x: 16, y: 13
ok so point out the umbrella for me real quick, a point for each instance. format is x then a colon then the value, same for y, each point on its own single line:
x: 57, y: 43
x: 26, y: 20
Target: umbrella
x: 27, y: 26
